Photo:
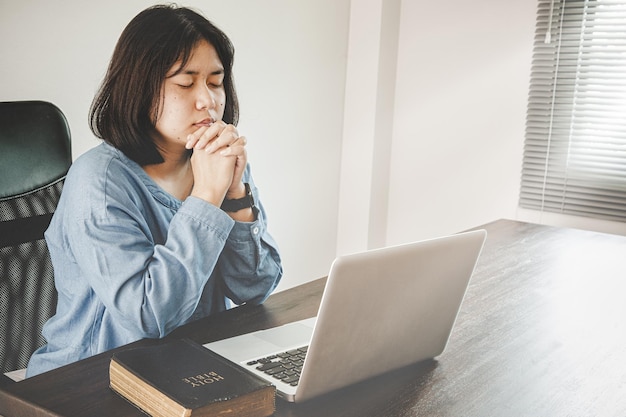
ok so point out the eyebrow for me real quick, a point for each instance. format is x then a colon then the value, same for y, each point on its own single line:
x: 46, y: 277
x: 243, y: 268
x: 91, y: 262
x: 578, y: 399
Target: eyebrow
x: 219, y: 71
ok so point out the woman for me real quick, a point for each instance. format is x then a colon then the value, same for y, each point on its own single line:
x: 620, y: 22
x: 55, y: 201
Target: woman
x: 161, y: 223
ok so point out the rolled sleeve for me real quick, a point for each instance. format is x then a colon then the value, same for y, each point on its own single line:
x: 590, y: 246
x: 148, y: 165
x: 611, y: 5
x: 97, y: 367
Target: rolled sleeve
x: 251, y: 266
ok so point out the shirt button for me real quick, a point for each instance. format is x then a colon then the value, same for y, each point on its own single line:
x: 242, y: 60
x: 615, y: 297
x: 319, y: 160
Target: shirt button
x: 255, y: 230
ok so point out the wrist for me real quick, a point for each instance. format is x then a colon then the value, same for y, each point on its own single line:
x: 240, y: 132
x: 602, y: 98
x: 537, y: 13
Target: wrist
x: 239, y: 192
x: 206, y: 196
x: 241, y: 201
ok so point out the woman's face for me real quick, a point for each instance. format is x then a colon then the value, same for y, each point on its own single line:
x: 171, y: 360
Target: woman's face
x: 193, y: 98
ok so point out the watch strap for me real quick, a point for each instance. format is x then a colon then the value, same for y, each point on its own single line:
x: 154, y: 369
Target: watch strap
x: 237, y: 204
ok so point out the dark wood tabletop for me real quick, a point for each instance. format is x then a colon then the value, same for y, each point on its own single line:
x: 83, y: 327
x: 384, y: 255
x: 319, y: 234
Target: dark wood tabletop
x: 541, y: 332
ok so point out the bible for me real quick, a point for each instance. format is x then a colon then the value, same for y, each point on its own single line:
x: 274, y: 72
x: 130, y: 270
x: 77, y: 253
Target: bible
x: 182, y: 378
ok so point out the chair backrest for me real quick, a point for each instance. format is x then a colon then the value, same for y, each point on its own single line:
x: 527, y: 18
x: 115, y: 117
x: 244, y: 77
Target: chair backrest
x: 35, y: 154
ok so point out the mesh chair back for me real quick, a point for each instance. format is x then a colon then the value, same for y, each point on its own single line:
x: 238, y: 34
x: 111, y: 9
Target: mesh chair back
x: 35, y: 155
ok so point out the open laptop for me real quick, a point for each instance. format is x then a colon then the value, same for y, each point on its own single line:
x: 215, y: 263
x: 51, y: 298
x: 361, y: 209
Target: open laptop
x: 381, y: 310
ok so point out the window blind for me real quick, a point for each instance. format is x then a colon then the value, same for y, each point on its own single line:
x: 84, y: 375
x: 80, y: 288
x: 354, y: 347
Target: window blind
x: 575, y: 145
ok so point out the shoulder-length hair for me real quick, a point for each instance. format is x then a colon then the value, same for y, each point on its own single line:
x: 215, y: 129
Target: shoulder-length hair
x: 125, y: 109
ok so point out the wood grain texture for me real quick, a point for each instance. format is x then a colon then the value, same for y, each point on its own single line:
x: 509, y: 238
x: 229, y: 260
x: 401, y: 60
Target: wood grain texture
x: 541, y: 333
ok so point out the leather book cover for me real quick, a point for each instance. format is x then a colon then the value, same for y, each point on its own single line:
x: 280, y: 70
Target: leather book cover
x: 183, y: 378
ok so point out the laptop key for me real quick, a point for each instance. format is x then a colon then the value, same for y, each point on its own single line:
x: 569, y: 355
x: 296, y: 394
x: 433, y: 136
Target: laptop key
x: 293, y: 380
x: 268, y: 365
x: 275, y: 370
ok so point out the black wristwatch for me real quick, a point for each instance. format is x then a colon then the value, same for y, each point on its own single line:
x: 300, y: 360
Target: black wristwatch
x: 237, y: 204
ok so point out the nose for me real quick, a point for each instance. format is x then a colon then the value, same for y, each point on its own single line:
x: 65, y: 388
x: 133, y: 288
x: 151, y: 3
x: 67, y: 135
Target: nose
x: 205, y: 99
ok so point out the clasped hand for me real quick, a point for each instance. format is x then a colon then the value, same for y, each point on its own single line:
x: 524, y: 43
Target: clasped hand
x: 218, y: 161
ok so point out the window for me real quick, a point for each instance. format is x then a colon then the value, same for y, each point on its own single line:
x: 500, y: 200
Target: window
x: 575, y: 148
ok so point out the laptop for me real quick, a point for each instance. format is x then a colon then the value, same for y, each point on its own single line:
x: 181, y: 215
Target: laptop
x: 381, y: 310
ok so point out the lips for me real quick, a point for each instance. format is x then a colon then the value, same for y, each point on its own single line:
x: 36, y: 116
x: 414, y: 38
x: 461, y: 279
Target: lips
x: 205, y: 122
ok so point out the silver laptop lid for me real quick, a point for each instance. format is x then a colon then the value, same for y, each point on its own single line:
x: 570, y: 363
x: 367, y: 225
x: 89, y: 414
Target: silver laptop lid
x: 387, y: 308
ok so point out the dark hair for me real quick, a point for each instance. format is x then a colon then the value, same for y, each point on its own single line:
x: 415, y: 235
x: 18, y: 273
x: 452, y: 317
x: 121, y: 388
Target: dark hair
x: 125, y: 109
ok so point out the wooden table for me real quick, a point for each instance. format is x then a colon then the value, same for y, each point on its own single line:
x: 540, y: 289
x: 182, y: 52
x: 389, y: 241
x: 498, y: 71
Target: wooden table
x: 542, y: 332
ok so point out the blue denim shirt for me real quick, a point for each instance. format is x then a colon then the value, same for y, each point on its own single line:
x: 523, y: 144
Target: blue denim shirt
x: 131, y: 261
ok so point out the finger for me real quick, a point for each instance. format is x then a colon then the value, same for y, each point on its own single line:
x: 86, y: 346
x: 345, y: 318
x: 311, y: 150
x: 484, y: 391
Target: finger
x: 226, y: 137
x: 194, y: 139
x: 210, y: 135
x: 237, y: 148
x: 240, y: 166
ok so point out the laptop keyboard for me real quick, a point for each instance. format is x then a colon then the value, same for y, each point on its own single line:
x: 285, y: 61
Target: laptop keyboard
x: 285, y: 366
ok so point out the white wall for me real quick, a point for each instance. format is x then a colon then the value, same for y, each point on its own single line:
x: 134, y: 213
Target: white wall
x: 368, y: 124
x: 462, y: 87
x: 442, y: 125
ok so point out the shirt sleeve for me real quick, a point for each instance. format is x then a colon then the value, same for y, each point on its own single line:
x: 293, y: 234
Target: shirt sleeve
x: 150, y: 288
x: 250, y: 267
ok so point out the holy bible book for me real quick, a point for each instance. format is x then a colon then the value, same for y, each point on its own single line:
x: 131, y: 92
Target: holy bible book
x: 182, y: 378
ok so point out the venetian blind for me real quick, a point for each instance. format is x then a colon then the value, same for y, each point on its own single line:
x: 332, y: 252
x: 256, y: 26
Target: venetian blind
x: 575, y: 147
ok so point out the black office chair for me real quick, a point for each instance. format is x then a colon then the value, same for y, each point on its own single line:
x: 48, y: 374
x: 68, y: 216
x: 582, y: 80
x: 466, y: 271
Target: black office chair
x: 35, y: 155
